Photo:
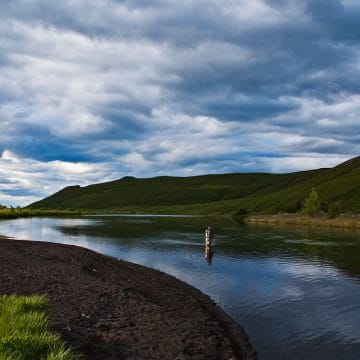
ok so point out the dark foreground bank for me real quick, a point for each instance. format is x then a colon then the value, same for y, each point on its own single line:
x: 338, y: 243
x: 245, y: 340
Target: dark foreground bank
x: 111, y: 309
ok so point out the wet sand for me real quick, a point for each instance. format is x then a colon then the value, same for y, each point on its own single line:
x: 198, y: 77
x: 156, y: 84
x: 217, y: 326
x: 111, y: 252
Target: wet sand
x: 112, y: 309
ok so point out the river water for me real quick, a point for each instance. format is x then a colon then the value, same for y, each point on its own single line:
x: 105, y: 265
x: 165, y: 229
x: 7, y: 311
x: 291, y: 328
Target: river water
x: 296, y: 290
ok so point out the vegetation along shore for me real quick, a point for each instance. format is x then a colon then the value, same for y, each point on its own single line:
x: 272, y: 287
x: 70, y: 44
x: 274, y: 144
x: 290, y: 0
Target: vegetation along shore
x: 345, y: 221
x: 14, y: 213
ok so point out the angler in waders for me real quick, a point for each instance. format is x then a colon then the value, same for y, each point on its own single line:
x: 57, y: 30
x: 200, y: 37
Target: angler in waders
x: 209, y: 236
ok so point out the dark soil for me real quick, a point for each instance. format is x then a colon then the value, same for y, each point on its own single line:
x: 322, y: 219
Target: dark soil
x: 111, y: 309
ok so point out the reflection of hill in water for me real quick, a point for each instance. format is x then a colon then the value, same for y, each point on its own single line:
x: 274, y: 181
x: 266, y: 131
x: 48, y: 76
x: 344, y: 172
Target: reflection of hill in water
x: 337, y: 247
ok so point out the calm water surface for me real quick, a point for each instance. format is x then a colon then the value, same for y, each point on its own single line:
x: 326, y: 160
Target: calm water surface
x: 295, y: 290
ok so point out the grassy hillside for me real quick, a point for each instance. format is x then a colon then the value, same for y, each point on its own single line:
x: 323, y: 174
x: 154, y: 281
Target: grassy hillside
x: 208, y: 194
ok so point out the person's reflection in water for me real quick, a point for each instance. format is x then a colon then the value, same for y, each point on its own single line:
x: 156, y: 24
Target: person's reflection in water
x: 209, y: 253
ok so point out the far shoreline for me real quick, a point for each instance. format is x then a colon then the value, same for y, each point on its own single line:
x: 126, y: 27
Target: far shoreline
x: 350, y: 221
x: 345, y: 221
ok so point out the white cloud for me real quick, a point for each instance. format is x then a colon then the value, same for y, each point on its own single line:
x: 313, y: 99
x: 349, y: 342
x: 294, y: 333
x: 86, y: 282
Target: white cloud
x: 8, y: 156
x: 257, y: 13
x: 305, y: 162
x: 60, y: 78
x: 81, y: 124
x: 25, y: 180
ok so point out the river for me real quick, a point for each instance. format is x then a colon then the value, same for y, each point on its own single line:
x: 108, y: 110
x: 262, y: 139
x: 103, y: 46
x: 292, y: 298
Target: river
x: 296, y: 290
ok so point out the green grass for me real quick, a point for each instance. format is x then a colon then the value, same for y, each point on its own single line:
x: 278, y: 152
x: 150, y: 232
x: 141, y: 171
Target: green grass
x: 13, y: 213
x: 298, y: 219
x: 258, y: 193
x: 25, y: 332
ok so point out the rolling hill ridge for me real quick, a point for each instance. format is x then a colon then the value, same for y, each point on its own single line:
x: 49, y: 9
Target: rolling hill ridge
x: 216, y: 194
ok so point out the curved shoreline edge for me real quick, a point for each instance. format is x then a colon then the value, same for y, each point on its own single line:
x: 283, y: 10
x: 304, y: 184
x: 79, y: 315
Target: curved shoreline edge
x: 112, y: 309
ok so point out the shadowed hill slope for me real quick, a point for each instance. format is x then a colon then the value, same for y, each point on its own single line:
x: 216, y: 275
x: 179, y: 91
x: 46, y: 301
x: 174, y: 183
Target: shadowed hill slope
x: 226, y: 193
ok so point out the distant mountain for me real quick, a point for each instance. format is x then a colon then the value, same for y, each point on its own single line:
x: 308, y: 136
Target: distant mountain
x: 226, y: 193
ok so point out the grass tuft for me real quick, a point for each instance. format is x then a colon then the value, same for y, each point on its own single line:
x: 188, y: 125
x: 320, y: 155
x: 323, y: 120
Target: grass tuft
x: 25, y: 332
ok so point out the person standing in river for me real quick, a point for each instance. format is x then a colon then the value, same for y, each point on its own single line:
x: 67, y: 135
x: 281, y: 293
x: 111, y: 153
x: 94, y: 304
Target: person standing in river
x: 209, y: 235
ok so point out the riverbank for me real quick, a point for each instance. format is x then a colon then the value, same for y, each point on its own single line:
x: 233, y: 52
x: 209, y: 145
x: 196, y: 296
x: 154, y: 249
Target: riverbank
x: 15, y: 213
x: 352, y: 221
x: 110, y: 309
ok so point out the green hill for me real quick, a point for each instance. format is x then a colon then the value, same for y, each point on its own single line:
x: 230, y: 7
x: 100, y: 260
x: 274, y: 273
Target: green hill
x: 257, y: 192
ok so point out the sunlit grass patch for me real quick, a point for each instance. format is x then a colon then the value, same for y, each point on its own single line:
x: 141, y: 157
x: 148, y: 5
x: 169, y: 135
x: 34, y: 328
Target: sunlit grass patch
x: 25, y: 332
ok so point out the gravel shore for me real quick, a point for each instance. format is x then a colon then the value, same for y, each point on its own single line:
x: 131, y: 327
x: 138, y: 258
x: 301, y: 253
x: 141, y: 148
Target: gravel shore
x: 112, y: 309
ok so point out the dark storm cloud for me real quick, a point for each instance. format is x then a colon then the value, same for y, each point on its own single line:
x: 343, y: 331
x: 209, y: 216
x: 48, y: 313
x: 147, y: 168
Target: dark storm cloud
x: 146, y: 88
x: 255, y: 108
x: 342, y: 23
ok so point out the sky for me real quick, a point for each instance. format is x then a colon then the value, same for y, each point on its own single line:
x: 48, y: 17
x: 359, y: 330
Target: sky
x: 92, y: 91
